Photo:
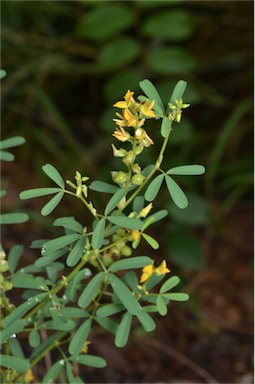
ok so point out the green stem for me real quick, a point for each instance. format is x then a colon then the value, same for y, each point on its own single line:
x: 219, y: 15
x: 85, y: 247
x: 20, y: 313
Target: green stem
x: 154, y: 169
x: 56, y: 289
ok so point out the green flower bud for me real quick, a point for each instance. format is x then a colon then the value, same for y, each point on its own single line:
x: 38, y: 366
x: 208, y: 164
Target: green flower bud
x: 129, y: 158
x: 120, y: 178
x: 121, y: 232
x: 137, y: 179
x: 138, y: 149
x: 118, y: 152
x: 1, y: 279
x: 4, y: 266
x: 122, y: 203
x: 136, y: 168
x: 126, y: 251
x: 2, y: 255
x: 107, y: 260
x: 7, y: 285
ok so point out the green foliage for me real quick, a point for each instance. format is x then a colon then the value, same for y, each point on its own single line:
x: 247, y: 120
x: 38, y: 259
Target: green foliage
x: 96, y: 261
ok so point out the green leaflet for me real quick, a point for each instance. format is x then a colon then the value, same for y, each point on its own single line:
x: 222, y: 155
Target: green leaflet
x: 72, y: 312
x: 15, y: 348
x: 2, y: 73
x: 46, y: 260
x: 59, y: 243
x: 107, y: 324
x: 28, y: 281
x: 102, y: 186
x: 80, y: 337
x: 114, y: 201
x: 102, y: 23
x: 169, y: 284
x: 109, y: 309
x: 90, y: 290
x: 6, y: 156
x: 98, y: 234
x: 15, y: 363
x: 152, y: 93
x: 52, y: 204
x: 176, y: 296
x: 176, y: 193
x: 126, y: 222
x: 178, y: 91
x: 193, y: 169
x: 153, y: 243
x: 58, y: 322
x: 12, y: 142
x: 123, y: 330
x: 72, y: 379
x: 14, y: 256
x: 34, y: 338
x: 161, y: 306
x: 53, y: 372
x: 165, y: 127
x: 76, y: 253
x: 153, y: 188
x: 130, y: 263
x: 69, y: 223
x: 146, y: 320
x: 12, y: 329
x: 13, y: 218
x: 89, y: 360
x: 54, y: 175
x: 124, y: 294
x: 37, y: 192
x: 158, y: 215
x: 18, y: 312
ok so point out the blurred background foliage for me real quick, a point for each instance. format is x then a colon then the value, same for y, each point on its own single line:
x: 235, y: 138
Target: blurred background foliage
x: 67, y: 62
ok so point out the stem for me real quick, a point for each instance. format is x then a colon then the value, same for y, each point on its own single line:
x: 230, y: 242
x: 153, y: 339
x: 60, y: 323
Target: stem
x: 56, y: 289
x: 154, y: 169
x: 84, y: 202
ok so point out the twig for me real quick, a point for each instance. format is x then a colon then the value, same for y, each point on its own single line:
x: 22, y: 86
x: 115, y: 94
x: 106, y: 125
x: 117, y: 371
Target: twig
x: 182, y: 358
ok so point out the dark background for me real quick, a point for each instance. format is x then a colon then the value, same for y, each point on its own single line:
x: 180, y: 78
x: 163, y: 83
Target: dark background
x: 67, y: 62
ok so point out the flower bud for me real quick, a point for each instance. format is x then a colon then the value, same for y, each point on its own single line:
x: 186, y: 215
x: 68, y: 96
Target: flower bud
x: 120, y: 178
x: 144, y: 212
x: 4, y: 266
x: 136, y: 168
x: 7, y: 285
x: 129, y: 158
x: 138, y: 149
x: 126, y: 251
x: 2, y: 255
x: 118, y: 152
x: 107, y: 260
x: 137, y: 179
x: 122, y: 203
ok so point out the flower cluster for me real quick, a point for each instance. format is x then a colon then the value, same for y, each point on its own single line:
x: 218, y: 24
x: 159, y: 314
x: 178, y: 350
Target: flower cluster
x: 148, y: 270
x: 133, y: 115
x: 177, y: 108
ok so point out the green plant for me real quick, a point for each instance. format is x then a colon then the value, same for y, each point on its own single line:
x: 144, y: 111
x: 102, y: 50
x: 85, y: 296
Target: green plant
x: 87, y: 276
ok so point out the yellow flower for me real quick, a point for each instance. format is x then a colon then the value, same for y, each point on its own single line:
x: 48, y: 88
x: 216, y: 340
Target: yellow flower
x: 143, y: 137
x: 85, y: 347
x: 122, y: 122
x: 122, y: 135
x: 146, y: 272
x: 28, y: 376
x: 145, y: 211
x: 162, y: 269
x: 146, y: 108
x: 128, y: 100
x: 118, y: 152
x: 135, y: 234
